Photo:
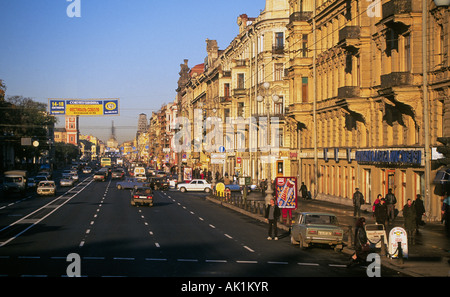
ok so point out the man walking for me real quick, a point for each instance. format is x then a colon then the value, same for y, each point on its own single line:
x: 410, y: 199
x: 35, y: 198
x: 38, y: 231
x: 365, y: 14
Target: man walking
x: 358, y: 200
x: 390, y: 202
x: 272, y: 215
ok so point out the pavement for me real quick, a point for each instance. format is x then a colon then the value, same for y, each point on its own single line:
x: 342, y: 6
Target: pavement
x: 428, y: 257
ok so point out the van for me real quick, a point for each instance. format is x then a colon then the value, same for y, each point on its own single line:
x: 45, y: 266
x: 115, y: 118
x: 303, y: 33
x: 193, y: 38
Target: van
x: 139, y: 172
x: 16, y: 181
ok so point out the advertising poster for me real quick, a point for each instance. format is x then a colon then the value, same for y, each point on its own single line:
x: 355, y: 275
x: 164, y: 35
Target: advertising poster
x: 187, y: 174
x: 286, y: 192
x: 80, y: 107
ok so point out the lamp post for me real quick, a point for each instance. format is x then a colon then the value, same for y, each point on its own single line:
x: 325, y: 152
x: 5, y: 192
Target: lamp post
x: 275, y: 98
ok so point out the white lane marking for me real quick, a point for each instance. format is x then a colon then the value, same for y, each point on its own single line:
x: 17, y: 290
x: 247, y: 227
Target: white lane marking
x: 246, y: 247
x: 246, y: 262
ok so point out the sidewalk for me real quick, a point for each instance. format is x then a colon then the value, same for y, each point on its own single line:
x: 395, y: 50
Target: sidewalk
x: 429, y: 257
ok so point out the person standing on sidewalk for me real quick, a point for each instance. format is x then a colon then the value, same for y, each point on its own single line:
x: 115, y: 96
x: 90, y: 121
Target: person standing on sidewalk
x: 390, y: 202
x: 420, y: 210
x: 381, y: 212
x: 272, y: 214
x: 409, y: 214
x: 362, y: 247
x: 358, y: 200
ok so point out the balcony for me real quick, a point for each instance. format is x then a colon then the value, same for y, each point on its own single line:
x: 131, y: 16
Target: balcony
x: 278, y: 50
x: 300, y: 16
x: 348, y: 92
x: 395, y: 79
x: 239, y: 92
x: 225, y: 99
x: 349, y: 36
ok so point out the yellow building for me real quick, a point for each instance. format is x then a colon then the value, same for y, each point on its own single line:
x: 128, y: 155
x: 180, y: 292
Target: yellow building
x: 357, y: 89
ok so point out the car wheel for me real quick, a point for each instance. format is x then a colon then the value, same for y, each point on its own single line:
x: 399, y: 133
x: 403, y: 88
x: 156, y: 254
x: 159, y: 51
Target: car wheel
x: 119, y: 187
x: 182, y: 189
x: 207, y: 190
x: 293, y: 241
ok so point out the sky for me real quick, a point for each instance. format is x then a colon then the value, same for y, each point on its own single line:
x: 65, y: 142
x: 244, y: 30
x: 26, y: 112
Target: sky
x: 126, y: 49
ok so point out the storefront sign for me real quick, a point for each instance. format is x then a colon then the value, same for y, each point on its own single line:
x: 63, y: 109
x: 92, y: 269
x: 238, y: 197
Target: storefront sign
x: 390, y: 156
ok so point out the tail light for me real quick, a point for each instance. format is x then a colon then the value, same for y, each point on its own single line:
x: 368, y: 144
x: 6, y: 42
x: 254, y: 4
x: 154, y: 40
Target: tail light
x: 312, y: 231
x: 337, y: 233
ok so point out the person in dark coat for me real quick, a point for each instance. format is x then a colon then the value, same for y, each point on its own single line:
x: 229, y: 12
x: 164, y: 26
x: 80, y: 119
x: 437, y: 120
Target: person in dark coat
x: 409, y: 215
x: 358, y: 200
x: 304, y: 191
x: 420, y: 210
x: 381, y: 213
x: 361, y: 242
x: 272, y: 215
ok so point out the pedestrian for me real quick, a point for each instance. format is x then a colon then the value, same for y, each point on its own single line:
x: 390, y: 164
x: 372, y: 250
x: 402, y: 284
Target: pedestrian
x: 381, y: 212
x: 420, y: 210
x: 272, y: 214
x: 390, y: 202
x: 358, y: 200
x: 375, y: 203
x: 409, y: 215
x: 304, y: 191
x: 445, y: 211
x: 362, y: 246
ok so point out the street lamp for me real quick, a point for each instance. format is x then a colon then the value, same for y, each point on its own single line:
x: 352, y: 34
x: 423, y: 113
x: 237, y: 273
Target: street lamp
x: 275, y: 99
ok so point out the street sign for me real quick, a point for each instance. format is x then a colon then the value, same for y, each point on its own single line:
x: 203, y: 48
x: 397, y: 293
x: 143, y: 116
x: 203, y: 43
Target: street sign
x: 221, y: 149
x: 396, y: 236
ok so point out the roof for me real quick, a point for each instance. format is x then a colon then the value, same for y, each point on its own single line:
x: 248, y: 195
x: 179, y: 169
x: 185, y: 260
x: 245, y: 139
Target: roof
x: 197, y: 69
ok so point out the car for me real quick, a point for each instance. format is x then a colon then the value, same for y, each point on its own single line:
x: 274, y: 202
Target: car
x: 34, y: 181
x: 130, y: 183
x: 100, y: 176
x: 74, y: 176
x: 195, y: 185
x: 173, y: 180
x: 87, y: 170
x: 142, y: 196
x: 317, y: 228
x: 47, y: 187
x: 159, y: 183
x: 67, y: 182
x: 118, y: 173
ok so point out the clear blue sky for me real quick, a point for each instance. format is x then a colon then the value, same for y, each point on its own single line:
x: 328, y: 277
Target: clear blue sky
x: 127, y: 49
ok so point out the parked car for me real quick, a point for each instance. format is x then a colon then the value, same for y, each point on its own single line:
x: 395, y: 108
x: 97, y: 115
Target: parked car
x: 66, y: 182
x: 195, y: 185
x: 130, y: 183
x: 46, y: 188
x: 317, y: 228
x: 100, y: 176
x: 142, y: 196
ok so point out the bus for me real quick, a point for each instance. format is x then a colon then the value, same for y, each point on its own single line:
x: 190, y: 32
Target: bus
x: 105, y: 162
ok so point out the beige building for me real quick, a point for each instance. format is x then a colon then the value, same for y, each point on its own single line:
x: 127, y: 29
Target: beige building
x: 357, y: 92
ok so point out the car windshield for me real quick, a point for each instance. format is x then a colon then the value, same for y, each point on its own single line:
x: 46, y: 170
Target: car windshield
x: 144, y: 191
x: 321, y: 219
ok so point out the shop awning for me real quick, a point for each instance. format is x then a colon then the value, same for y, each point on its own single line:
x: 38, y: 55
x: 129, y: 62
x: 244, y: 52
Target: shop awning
x: 442, y: 176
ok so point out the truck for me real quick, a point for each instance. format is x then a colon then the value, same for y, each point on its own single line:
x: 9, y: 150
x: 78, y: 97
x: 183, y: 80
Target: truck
x: 16, y: 181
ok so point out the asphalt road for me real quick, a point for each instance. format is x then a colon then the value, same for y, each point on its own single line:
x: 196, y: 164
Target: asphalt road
x: 182, y: 235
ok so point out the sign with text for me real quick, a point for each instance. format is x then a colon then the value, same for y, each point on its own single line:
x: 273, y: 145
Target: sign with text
x: 82, y: 107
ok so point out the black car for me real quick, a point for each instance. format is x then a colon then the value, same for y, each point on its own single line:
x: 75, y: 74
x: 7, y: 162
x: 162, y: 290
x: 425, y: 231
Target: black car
x: 159, y: 183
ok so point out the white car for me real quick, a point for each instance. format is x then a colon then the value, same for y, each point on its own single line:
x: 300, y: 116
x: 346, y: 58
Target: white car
x: 66, y: 182
x: 195, y: 185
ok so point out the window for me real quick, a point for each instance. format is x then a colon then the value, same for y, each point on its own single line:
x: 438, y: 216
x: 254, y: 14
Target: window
x: 240, y: 109
x: 240, y: 81
x: 304, y: 45
x: 278, y: 72
x: 279, y: 40
x: 408, y: 52
x: 226, y: 90
x: 304, y: 89
x: 278, y: 106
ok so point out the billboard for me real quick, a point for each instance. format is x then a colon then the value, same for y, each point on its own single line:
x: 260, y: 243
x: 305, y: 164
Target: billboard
x: 286, y: 192
x: 83, y: 107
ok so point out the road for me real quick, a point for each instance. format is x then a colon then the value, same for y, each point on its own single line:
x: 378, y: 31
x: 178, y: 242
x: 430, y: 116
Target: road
x: 182, y: 235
